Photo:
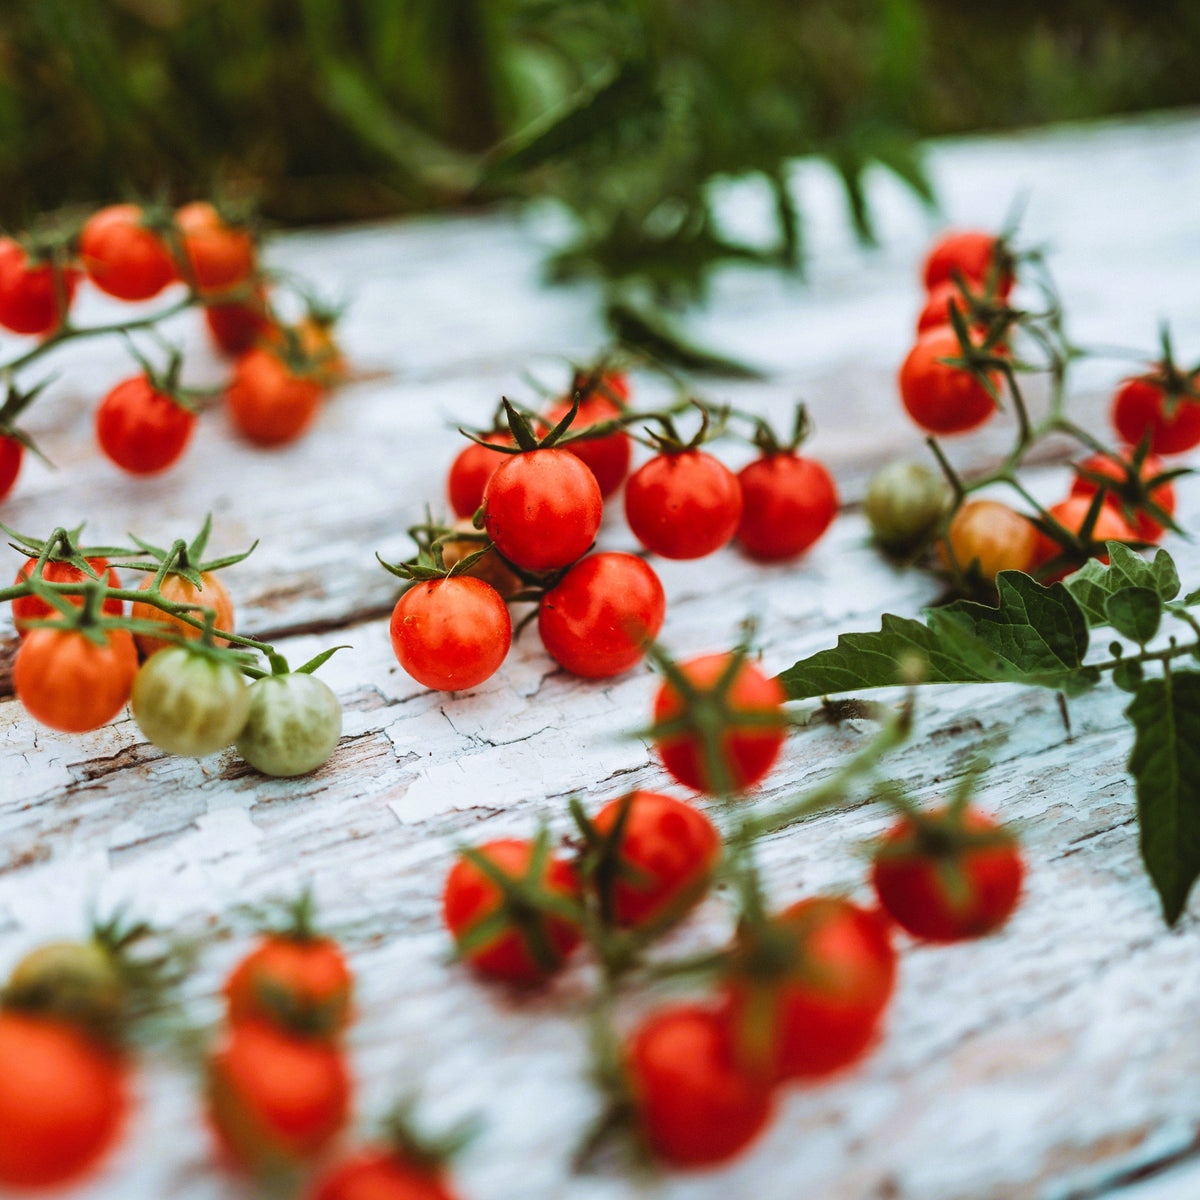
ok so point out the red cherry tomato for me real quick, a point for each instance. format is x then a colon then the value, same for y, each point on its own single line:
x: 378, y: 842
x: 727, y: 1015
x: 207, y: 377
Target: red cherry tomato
x: 301, y: 984
x: 606, y: 457
x: 67, y: 681
x: 939, y: 397
x: 220, y: 256
x: 787, y: 504
x: 29, y: 301
x: 11, y: 453
x: 64, y: 1099
x: 684, y: 504
x: 381, y: 1175
x: 470, y: 471
x: 597, y: 620
x: 1144, y: 525
x: 275, y: 1099
x: 946, y: 892
x: 451, y: 634
x: 235, y: 328
x: 1140, y: 406
x: 525, y: 947
x: 694, y: 1107
x: 123, y: 257
x: 817, y: 1010
x: 34, y: 608
x: 973, y: 255
x: 268, y: 402
x: 747, y: 751
x: 663, y: 859
x: 1071, y: 514
x: 141, y: 429
x: 542, y: 508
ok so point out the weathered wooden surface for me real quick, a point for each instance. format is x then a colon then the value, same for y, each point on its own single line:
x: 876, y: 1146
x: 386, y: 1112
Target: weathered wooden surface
x: 1057, y: 1060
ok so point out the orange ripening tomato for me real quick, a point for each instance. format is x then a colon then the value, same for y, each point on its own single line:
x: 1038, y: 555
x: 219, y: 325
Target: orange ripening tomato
x: 992, y: 535
x: 177, y: 589
x: 980, y: 258
x: 64, y: 1099
x: 268, y: 402
x: 315, y: 339
x: 34, y: 608
x: 124, y: 257
x: 220, y: 255
x: 942, y: 398
x: 71, y: 683
x: 1163, y: 494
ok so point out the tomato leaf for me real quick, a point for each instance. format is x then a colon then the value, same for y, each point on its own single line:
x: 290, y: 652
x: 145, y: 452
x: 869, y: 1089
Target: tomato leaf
x: 1135, y: 613
x: 1095, y: 582
x: 1165, y: 764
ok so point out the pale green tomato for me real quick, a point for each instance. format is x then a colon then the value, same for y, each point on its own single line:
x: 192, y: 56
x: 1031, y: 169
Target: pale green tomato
x: 294, y: 726
x: 78, y: 980
x: 905, y: 503
x: 188, y: 703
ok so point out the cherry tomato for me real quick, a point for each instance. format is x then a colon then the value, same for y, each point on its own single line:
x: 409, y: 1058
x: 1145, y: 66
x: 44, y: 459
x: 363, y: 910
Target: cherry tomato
x: 29, y: 301
x: 212, y: 594
x: 542, y: 508
x: 79, y: 982
x: 606, y: 457
x: 904, y: 504
x: 34, y: 608
x: 937, y: 306
x: 978, y: 257
x: 71, y: 683
x: 275, y: 1099
x: 268, y: 402
x: 188, y: 703
x: 1141, y: 405
x: 747, y: 751
x: 812, y: 989
x: 1071, y: 514
x: 941, y: 398
x: 452, y: 633
x: 994, y: 536
x: 11, y: 454
x: 1163, y: 494
x: 527, y: 945
x: 663, y: 859
x: 470, y: 471
x: 695, y: 1108
x: 301, y: 984
x: 946, y: 891
x: 294, y: 724
x: 220, y: 256
x: 236, y: 327
x: 316, y: 341
x: 612, y: 385
x: 787, y: 504
x: 597, y: 620
x: 124, y: 257
x: 381, y: 1175
x: 142, y: 430
x: 684, y: 504
x: 63, y: 1101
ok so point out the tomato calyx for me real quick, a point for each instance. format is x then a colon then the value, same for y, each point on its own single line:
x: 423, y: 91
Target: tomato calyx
x: 1075, y: 547
x: 1128, y: 485
x: 15, y: 403
x: 667, y: 438
x: 166, y: 381
x: 1178, y: 386
x: 423, y: 1149
x: 182, y: 558
x: 524, y: 434
x: 770, y: 443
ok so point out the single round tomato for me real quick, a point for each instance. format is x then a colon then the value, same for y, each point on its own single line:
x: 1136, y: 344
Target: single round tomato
x: 811, y: 988
x: 904, y: 505
x: 994, y: 537
x: 597, y: 620
x: 606, y: 457
x: 71, y: 683
x: 34, y: 608
x: 29, y: 300
x: 189, y: 703
x: 142, y: 429
x: 685, y: 504
x: 661, y: 860
x: 1142, y: 523
x: 1141, y: 405
x: 211, y: 594
x: 747, y: 751
x: 787, y: 504
x: 301, y: 984
x: 79, y: 982
x: 694, y: 1106
x: 939, y: 397
x: 11, y: 454
x: 470, y: 471
x: 294, y: 724
x: 64, y: 1099
x: 123, y: 256
x: 980, y: 258
x: 542, y: 508
x: 236, y: 327
x: 268, y: 402
x: 945, y: 882
x: 451, y: 634
x: 522, y: 942
x: 275, y: 1099
x: 1071, y: 514
x: 382, y: 1175
x: 491, y: 568
x: 220, y: 256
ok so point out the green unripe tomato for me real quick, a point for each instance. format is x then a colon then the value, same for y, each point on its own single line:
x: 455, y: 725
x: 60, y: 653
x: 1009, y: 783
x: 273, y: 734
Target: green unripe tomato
x: 904, y: 504
x: 189, y: 703
x: 78, y: 981
x: 294, y: 726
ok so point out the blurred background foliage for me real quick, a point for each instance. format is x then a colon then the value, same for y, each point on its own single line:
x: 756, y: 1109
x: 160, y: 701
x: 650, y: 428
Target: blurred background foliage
x: 624, y: 110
